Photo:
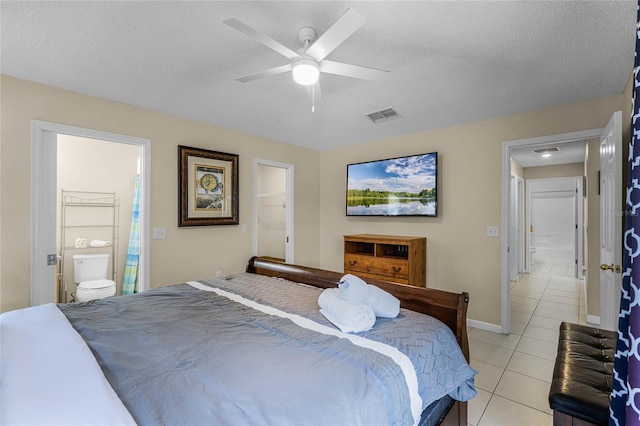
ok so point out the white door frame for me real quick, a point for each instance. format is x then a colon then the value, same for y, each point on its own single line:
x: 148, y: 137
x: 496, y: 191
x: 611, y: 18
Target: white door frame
x: 505, y: 222
x: 44, y: 203
x: 517, y: 245
x: 514, y: 248
x: 289, y: 243
x: 523, y: 250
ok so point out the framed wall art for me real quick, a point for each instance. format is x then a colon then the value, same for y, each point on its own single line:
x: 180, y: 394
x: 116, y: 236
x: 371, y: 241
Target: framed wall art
x: 207, y: 187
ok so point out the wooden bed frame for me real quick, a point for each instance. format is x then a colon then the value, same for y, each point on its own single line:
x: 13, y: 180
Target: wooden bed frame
x: 448, y: 307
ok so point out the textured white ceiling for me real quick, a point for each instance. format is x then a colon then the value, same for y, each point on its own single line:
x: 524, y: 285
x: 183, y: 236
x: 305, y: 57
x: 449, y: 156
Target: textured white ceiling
x: 569, y: 152
x: 451, y: 62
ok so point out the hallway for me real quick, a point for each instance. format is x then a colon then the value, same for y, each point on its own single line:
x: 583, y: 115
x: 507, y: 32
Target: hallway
x: 515, y: 371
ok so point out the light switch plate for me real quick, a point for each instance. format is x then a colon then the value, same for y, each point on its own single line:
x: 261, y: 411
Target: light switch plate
x: 492, y: 231
x: 159, y: 233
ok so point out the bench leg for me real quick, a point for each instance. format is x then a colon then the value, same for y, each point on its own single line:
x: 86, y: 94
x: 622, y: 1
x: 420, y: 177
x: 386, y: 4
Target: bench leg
x: 562, y: 419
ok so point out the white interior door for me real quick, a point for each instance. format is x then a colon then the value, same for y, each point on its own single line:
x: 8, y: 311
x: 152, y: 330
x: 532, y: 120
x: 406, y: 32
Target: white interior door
x: 610, y: 221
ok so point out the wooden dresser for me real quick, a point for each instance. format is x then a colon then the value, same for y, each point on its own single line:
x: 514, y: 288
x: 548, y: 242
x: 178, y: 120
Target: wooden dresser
x: 387, y: 257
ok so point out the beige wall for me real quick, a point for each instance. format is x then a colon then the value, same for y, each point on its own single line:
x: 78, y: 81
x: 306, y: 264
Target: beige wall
x: 186, y: 253
x: 516, y: 168
x: 560, y: 170
x: 460, y: 257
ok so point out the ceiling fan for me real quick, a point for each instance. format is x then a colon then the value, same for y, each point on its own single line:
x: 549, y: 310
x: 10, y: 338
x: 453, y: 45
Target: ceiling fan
x: 309, y: 61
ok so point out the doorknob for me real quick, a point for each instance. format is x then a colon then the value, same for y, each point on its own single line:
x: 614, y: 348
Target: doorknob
x: 612, y: 268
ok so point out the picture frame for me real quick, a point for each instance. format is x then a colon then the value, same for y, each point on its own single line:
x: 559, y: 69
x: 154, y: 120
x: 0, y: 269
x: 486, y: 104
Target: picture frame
x: 207, y: 187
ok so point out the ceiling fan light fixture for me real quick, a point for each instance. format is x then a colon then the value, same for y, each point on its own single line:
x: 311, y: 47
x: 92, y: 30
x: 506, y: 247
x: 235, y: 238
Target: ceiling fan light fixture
x: 305, y: 71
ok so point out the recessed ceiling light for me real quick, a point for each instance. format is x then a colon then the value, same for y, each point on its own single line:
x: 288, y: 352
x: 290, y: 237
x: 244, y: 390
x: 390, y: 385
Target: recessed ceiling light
x: 543, y: 151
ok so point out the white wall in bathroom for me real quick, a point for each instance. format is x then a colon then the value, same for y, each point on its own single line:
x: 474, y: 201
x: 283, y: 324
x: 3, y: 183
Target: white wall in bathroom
x: 95, y: 165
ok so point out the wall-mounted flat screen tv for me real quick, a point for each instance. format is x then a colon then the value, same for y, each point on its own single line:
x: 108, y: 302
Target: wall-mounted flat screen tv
x: 402, y: 186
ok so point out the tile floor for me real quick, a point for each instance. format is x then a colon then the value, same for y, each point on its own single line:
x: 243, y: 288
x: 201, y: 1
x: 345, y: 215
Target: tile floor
x: 514, y: 371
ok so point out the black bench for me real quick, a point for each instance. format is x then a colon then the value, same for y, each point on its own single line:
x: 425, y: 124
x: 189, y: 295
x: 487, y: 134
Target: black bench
x: 582, y: 376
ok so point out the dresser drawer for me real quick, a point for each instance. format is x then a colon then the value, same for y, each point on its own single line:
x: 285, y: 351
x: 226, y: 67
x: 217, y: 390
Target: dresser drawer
x: 391, y: 268
x: 365, y: 275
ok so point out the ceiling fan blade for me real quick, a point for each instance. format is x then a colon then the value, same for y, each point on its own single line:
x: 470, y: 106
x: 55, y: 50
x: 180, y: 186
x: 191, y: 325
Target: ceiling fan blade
x: 265, y: 73
x: 354, y: 71
x: 346, y: 25
x: 262, y: 38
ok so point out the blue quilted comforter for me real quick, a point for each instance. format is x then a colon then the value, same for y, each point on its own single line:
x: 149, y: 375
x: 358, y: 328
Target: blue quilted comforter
x: 255, y: 350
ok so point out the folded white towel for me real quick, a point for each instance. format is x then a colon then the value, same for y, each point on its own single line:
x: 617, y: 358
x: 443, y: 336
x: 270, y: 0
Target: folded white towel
x: 99, y: 243
x: 349, y: 317
x: 354, y: 289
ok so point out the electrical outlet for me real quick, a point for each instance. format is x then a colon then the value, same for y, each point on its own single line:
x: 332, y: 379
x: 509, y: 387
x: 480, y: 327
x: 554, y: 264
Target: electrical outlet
x: 218, y: 274
x: 159, y: 233
x: 492, y: 231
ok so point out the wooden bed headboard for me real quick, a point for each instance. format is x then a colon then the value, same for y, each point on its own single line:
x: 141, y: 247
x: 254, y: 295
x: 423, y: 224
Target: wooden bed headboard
x: 448, y: 307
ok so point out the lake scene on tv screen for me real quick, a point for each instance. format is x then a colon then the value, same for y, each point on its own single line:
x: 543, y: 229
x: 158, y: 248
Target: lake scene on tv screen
x: 404, y: 186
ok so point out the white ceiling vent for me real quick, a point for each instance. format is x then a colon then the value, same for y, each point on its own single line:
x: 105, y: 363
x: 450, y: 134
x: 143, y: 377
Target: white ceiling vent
x: 383, y: 115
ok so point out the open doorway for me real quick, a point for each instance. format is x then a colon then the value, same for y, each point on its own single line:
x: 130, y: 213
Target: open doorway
x: 273, y: 200
x: 44, y: 206
x: 530, y: 144
x: 95, y: 202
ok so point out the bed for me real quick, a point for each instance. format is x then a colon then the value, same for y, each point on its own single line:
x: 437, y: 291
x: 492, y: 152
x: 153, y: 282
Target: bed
x: 250, y: 348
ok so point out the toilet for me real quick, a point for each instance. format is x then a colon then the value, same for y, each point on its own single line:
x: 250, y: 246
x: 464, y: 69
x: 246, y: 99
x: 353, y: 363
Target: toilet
x: 90, y: 273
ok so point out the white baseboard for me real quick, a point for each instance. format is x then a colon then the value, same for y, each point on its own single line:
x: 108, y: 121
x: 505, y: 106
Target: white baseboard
x: 495, y: 328
x: 593, y: 320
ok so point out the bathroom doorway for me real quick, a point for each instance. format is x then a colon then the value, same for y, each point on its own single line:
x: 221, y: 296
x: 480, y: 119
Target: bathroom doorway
x: 96, y: 181
x: 44, y: 206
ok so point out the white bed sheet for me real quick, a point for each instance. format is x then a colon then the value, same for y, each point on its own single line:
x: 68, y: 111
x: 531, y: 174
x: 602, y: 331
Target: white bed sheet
x: 48, y: 375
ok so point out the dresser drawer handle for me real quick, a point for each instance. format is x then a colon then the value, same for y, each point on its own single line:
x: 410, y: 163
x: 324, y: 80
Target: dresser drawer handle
x: 396, y: 269
x: 352, y: 262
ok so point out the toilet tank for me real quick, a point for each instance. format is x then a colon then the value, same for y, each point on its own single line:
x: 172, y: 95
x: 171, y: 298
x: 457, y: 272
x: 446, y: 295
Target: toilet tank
x: 88, y: 267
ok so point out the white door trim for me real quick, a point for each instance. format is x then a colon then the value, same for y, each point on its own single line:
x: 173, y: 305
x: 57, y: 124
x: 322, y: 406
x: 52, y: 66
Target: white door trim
x: 506, y: 176
x: 514, y: 249
x: 43, y: 203
x: 289, y: 244
x: 516, y: 246
x: 523, y: 251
